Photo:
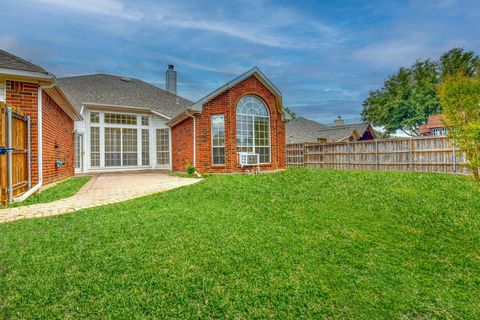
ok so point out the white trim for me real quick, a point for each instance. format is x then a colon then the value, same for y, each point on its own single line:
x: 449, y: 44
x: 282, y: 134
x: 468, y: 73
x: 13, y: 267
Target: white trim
x: 93, y: 104
x: 199, y: 104
x: 194, y: 139
x: 28, y: 74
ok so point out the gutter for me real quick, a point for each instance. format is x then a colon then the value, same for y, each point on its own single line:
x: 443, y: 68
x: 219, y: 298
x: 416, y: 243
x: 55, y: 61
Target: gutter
x: 40, y: 143
x: 194, y: 137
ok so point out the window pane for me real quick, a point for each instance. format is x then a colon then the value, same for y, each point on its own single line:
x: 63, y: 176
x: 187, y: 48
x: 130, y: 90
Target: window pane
x: 145, y: 120
x: 253, y: 128
x: 129, y: 144
x: 163, y: 147
x: 115, y: 118
x: 218, y: 139
x: 145, y: 147
x: 94, y: 146
x: 94, y: 117
x: 113, y: 148
x: 78, y: 151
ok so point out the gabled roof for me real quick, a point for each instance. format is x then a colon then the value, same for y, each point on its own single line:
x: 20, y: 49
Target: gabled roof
x: 302, y: 130
x: 198, y: 106
x: 252, y: 72
x: 337, y: 134
x: 121, y: 92
x: 436, y: 121
x: 9, y: 61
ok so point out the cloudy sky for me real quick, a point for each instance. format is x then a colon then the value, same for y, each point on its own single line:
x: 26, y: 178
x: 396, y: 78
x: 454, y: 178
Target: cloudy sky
x: 324, y: 56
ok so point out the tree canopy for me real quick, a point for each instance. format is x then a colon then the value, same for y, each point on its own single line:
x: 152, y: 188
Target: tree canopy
x: 410, y: 96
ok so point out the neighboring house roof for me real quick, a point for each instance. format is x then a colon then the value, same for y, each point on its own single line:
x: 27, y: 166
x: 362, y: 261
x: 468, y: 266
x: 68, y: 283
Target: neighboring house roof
x: 436, y: 121
x: 302, y: 130
x: 124, y: 92
x: 337, y: 134
x: 9, y: 61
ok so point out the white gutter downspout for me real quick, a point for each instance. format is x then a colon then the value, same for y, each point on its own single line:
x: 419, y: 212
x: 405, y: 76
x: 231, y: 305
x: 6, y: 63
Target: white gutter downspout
x: 194, y: 139
x: 40, y: 144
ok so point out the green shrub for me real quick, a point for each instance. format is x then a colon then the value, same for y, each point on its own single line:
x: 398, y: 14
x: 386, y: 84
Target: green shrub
x: 191, y: 169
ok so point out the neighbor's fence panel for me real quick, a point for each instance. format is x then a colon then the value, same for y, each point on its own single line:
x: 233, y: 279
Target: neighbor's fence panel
x: 20, y: 158
x: 432, y: 154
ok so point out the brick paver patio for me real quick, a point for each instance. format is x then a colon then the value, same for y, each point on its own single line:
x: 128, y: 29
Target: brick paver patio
x: 102, y: 189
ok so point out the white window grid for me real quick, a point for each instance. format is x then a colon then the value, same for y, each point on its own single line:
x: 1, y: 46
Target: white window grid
x: 120, y: 118
x: 253, y: 128
x: 145, y: 120
x: 78, y: 151
x: 163, y: 146
x: 436, y: 132
x: 218, y: 139
x: 145, y: 147
x: 95, y: 146
x: 94, y: 117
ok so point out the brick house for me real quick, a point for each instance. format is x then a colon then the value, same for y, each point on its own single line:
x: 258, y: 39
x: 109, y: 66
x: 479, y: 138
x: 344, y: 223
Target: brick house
x: 435, y: 126
x: 35, y: 92
x: 130, y: 124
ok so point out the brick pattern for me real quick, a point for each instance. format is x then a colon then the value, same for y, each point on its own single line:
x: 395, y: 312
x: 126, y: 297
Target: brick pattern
x: 57, y: 142
x: 226, y: 104
x: 182, y: 145
x: 57, y: 129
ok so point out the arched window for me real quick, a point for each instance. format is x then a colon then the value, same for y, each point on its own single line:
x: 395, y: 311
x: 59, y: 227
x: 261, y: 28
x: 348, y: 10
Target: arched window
x: 253, y: 128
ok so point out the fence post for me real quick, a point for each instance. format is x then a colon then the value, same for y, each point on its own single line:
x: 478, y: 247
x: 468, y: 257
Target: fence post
x: 376, y: 154
x: 411, y: 154
x: 454, y: 167
x: 9, y: 156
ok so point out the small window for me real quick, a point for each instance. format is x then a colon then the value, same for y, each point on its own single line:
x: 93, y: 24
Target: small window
x: 145, y: 147
x: 218, y: 139
x: 444, y: 131
x: 3, y: 91
x: 94, y: 117
x: 115, y: 118
x: 145, y: 121
x: 94, y: 146
x: 163, y: 147
x: 436, y: 132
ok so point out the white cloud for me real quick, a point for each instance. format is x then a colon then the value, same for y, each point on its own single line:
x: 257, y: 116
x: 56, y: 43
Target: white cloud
x: 104, y: 7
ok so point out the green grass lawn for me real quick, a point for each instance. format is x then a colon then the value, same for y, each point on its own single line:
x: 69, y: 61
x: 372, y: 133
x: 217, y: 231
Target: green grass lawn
x: 297, y: 244
x: 62, y: 190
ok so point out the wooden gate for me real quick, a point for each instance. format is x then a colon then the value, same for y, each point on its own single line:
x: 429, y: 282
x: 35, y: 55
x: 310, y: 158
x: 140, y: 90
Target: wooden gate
x: 14, y: 153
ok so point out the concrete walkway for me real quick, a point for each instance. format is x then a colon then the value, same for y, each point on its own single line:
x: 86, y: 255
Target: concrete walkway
x: 102, y: 189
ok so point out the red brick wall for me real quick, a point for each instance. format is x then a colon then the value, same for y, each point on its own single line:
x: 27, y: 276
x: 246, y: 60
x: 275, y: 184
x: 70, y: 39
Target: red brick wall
x: 226, y: 104
x: 57, y: 131
x: 56, y: 125
x: 182, y: 145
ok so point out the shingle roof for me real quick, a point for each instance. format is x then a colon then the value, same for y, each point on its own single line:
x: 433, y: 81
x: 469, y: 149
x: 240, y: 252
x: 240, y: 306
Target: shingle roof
x: 9, y: 61
x: 302, y: 130
x: 121, y: 91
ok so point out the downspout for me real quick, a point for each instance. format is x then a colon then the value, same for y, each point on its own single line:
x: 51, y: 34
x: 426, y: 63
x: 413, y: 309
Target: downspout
x: 194, y: 139
x: 40, y: 144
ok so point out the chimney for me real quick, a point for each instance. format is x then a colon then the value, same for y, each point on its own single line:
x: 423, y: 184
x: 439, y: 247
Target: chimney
x: 339, y: 121
x: 171, y: 79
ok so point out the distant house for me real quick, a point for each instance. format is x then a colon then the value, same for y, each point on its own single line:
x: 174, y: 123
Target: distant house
x: 434, y: 127
x: 303, y: 130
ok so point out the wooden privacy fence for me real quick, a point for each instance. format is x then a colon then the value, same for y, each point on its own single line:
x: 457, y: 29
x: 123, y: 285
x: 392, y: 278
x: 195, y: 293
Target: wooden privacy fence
x: 432, y: 154
x: 14, y: 154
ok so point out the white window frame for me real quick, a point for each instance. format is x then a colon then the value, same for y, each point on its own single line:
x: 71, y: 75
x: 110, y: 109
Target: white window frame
x: 253, y: 127
x: 224, y: 140
x: 151, y: 127
x: 436, y: 132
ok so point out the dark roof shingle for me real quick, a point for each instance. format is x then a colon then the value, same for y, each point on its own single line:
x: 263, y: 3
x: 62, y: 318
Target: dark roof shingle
x: 121, y: 91
x: 10, y: 61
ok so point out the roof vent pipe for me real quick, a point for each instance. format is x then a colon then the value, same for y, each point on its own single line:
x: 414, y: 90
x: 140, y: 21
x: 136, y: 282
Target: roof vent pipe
x: 339, y: 121
x: 171, y: 79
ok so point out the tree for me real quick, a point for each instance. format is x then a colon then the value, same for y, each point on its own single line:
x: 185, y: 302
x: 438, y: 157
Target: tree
x: 406, y: 100
x: 290, y: 114
x: 457, y: 61
x: 460, y: 98
x: 410, y: 96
